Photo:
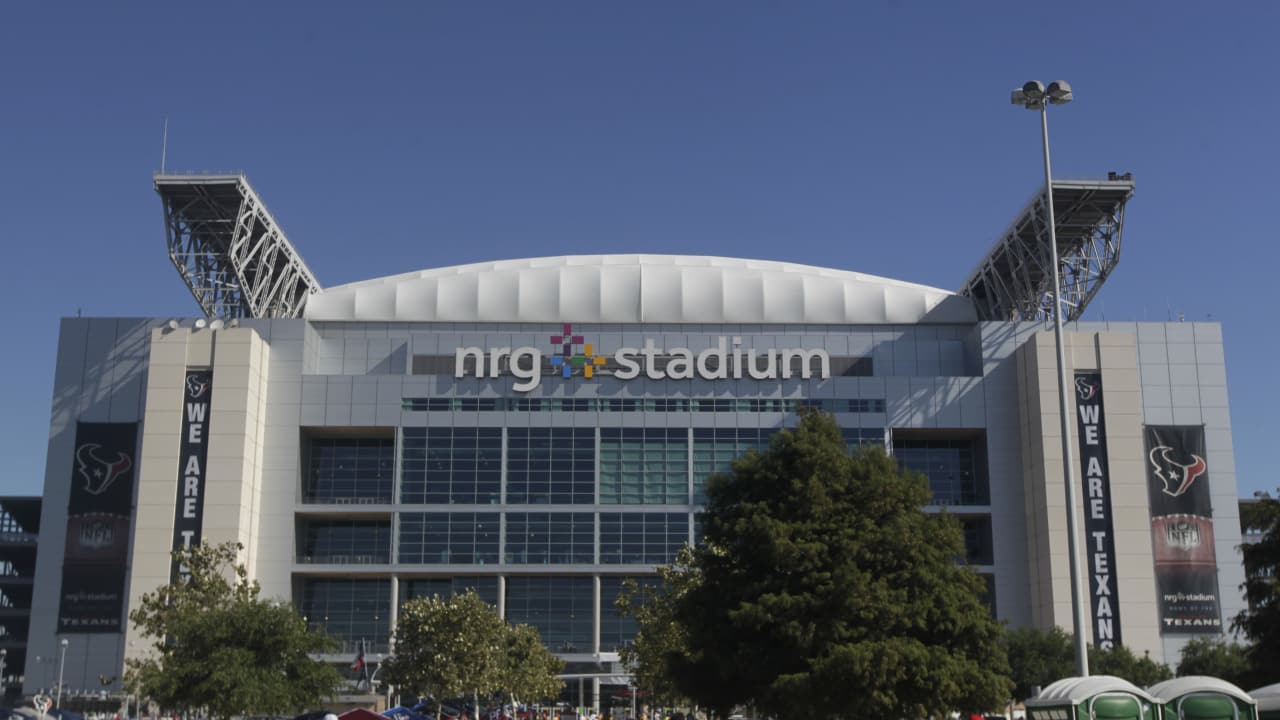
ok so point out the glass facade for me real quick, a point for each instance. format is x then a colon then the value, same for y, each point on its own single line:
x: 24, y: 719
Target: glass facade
x: 550, y: 538
x: 447, y: 465
x: 590, y: 499
x: 350, y: 611
x: 642, y: 538
x: 644, y: 466
x: 485, y: 586
x: 646, y: 405
x: 443, y: 538
x: 349, y: 470
x: 978, y: 547
x: 344, y: 541
x: 551, y: 466
x: 616, y: 629
x: 715, y: 449
x: 561, y: 608
x: 954, y: 466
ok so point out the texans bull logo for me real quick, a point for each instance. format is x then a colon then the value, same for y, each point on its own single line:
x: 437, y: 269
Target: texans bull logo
x: 1085, y: 388
x: 1177, y: 477
x: 100, y: 473
x: 196, y: 386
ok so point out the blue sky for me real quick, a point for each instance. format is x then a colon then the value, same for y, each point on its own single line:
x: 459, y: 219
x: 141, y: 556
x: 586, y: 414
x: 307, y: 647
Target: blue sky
x: 874, y: 137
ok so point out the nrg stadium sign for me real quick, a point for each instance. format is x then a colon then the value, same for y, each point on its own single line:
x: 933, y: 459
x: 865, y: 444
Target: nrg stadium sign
x: 726, y: 360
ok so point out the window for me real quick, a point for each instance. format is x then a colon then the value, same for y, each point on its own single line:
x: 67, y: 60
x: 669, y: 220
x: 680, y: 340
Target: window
x: 978, y: 547
x: 561, y: 608
x: 464, y: 538
x: 550, y: 538
x: 644, y: 466
x: 348, y: 470
x: 642, y: 538
x: 953, y: 462
x: 714, y: 451
x: 344, y: 541
x: 447, y: 587
x: 855, y: 438
x: 349, y: 611
x: 551, y: 466
x: 444, y: 465
x: 617, y: 630
x: 632, y: 405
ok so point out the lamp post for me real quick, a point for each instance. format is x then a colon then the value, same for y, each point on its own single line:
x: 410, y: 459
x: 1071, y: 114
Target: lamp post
x: 1034, y: 96
x: 62, y: 661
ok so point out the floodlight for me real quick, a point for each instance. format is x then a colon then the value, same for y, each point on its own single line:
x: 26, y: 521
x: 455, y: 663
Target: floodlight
x: 1059, y: 92
x: 1034, y: 90
x: 173, y: 324
x: 216, y: 324
x: 201, y: 322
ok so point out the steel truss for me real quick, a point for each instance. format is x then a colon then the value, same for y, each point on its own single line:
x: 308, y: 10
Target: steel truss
x: 230, y: 251
x: 1015, y: 280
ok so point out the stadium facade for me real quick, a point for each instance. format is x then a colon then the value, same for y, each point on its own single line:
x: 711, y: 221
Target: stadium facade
x: 540, y: 430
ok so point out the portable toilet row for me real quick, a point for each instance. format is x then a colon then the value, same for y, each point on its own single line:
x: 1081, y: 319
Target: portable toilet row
x: 1197, y: 697
x: 1098, y: 697
x: 1268, y: 702
x: 1103, y: 697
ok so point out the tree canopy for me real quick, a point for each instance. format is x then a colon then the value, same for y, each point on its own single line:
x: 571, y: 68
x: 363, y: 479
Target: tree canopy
x: 1037, y: 658
x: 1122, y: 663
x: 1215, y: 657
x: 460, y: 647
x: 1040, y: 657
x: 217, y: 646
x: 660, y: 640
x: 824, y: 590
x: 1260, y: 622
x: 528, y: 670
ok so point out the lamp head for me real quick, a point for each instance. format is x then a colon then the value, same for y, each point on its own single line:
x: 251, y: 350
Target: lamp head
x: 64, y: 642
x: 1059, y: 92
x: 1029, y: 96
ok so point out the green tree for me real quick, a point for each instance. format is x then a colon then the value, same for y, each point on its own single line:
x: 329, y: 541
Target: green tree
x: 1260, y: 622
x: 1216, y: 657
x: 660, y: 640
x: 217, y: 646
x: 528, y: 669
x: 826, y: 591
x: 1037, y: 658
x: 447, y: 647
x: 1122, y: 663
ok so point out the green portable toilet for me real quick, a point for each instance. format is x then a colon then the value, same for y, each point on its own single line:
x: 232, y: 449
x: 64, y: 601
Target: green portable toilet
x: 1198, y: 697
x: 1268, y: 699
x: 1099, y: 697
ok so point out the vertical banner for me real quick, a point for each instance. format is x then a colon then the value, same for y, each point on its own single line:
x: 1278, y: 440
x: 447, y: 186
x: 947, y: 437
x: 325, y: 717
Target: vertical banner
x: 1182, y: 530
x: 1099, y: 528
x: 99, y: 514
x: 188, y: 512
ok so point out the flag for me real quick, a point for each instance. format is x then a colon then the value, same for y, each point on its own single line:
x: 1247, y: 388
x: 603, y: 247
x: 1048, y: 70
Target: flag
x: 358, y: 665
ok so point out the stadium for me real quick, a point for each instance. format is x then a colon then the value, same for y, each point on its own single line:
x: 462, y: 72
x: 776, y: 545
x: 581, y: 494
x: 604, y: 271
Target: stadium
x: 541, y: 430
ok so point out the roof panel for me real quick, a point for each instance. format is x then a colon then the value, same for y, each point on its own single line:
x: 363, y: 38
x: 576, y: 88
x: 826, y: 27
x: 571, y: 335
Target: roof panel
x: 638, y: 288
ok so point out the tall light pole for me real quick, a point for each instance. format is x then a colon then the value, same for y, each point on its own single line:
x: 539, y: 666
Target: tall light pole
x: 62, y: 661
x: 1034, y: 96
